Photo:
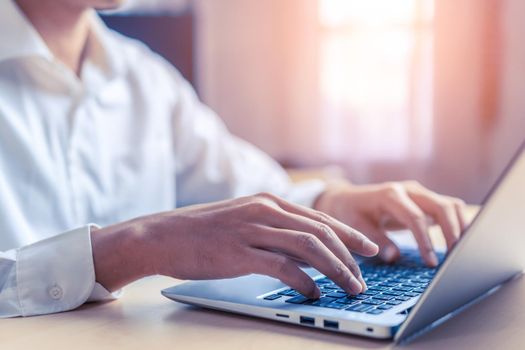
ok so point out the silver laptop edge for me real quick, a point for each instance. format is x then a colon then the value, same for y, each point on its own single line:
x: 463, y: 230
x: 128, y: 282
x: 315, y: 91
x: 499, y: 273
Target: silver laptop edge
x: 488, y: 254
x: 244, y: 295
x: 491, y: 250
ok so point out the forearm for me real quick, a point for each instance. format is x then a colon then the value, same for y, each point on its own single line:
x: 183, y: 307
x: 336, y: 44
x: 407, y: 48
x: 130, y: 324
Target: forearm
x: 122, y: 254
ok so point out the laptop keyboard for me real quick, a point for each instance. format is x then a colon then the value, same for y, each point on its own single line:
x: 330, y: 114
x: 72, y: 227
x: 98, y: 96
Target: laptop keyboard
x: 388, y: 286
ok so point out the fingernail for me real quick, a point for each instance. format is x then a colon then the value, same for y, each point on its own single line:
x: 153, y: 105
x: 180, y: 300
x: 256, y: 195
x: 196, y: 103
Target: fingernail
x: 388, y: 253
x: 355, y: 285
x: 316, y: 294
x: 433, y: 260
x: 370, y: 246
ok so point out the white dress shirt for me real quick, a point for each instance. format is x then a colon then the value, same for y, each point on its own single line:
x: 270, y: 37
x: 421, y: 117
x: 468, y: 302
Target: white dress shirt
x: 127, y: 139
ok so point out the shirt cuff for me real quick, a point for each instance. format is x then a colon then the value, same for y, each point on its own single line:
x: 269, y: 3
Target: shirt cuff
x: 57, y: 274
x: 100, y: 293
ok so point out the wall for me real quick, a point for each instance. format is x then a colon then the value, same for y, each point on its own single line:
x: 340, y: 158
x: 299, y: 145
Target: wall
x: 471, y: 147
x: 256, y: 66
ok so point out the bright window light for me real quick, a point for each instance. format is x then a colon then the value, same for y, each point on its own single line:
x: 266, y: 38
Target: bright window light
x: 376, y: 78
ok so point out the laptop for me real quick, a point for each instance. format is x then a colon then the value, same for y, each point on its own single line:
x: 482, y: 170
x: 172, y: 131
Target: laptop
x: 404, y: 299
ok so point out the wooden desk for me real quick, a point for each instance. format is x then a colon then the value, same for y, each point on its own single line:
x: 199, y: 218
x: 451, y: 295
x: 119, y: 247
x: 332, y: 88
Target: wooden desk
x: 143, y: 319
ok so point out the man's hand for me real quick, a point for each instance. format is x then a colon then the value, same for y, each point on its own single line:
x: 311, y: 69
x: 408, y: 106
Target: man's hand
x: 258, y: 234
x: 374, y: 209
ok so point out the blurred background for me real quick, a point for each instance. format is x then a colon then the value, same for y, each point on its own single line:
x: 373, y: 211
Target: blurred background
x: 381, y: 89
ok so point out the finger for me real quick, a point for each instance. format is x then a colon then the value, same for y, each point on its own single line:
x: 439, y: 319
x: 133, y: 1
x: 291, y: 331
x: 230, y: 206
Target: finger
x: 351, y: 238
x: 443, y: 212
x: 446, y: 211
x: 461, y: 212
x: 328, y: 236
x: 307, y: 247
x: 388, y: 250
x: 404, y: 210
x: 280, y: 267
x: 324, y: 233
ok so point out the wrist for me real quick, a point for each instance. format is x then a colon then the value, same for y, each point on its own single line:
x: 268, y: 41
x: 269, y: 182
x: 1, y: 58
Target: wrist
x: 327, y: 200
x: 121, y: 254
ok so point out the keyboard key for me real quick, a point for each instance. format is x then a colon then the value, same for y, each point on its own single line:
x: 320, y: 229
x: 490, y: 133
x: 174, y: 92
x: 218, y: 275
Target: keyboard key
x: 347, y: 301
x: 386, y: 284
x: 300, y: 299
x: 361, y: 297
x: 403, y: 298
x: 378, y: 288
x: 393, y: 302
x: 392, y: 292
x: 418, y: 290
x: 330, y: 286
x: 323, y: 280
x: 272, y: 297
x: 383, y: 297
x: 360, y: 308
x: 400, y: 280
x: 372, y: 302
x: 410, y: 294
x: 323, y: 301
x: 372, y: 279
x: 385, y: 307
x: 375, y: 312
x: 371, y: 292
x: 423, y: 280
x: 336, y: 295
x: 336, y: 305
x: 286, y: 291
x: 402, y: 289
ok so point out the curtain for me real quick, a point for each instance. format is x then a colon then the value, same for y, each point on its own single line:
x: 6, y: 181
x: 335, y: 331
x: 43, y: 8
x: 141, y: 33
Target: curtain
x: 386, y: 89
x: 312, y: 82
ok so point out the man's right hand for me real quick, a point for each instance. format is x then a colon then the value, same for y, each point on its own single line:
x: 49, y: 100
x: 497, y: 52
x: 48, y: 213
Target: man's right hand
x: 260, y: 234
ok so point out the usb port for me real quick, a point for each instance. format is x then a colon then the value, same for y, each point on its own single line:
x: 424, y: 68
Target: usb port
x: 309, y: 321
x: 331, y: 324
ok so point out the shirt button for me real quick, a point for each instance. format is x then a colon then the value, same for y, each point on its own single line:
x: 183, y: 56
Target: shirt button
x: 56, y: 292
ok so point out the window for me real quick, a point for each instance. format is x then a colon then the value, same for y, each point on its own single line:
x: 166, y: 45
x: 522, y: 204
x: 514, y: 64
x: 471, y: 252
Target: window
x: 376, y: 79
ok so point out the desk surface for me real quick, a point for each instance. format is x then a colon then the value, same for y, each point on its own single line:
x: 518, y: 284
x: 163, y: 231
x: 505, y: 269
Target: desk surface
x: 143, y: 319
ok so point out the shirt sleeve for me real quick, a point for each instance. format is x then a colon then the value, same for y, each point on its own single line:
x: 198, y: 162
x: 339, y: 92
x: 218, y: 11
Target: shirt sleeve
x: 53, y: 275
x: 212, y: 164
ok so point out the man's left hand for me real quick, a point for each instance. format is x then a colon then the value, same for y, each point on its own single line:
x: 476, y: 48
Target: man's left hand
x: 376, y: 209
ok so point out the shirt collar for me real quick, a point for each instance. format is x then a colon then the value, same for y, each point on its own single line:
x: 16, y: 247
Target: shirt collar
x: 19, y: 39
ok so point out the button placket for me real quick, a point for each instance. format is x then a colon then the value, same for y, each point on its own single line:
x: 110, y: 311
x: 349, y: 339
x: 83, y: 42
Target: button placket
x: 72, y: 152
